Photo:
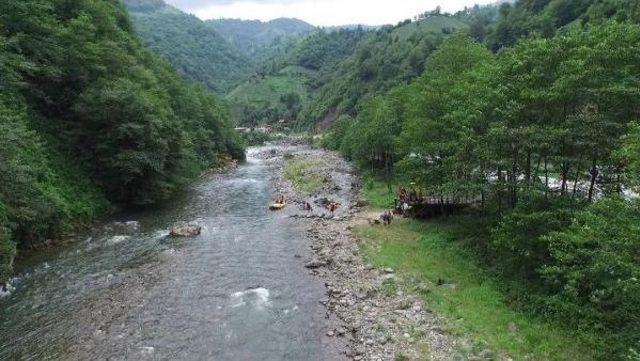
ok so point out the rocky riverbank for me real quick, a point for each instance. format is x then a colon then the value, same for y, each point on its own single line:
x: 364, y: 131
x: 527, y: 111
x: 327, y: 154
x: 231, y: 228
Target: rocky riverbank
x: 378, y: 321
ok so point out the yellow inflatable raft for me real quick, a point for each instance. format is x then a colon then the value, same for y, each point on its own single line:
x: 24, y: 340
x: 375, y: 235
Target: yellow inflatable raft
x: 277, y: 206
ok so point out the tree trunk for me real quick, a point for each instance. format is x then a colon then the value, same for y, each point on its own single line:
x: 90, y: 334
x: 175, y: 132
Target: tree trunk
x: 537, y: 169
x: 499, y: 190
x: 594, y: 174
x: 575, y: 182
x: 528, y: 170
x: 563, y: 186
x: 388, y: 162
x: 514, y: 178
x: 546, y: 176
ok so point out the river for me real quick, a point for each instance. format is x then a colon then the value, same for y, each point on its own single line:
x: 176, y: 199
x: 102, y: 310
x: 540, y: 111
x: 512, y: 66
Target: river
x: 239, y: 291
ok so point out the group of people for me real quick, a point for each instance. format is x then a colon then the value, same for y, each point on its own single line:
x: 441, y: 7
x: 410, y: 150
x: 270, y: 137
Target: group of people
x: 403, y: 204
x: 405, y: 200
x: 331, y: 207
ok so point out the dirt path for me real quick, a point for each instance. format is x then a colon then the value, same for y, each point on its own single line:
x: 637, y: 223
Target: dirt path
x: 377, y: 321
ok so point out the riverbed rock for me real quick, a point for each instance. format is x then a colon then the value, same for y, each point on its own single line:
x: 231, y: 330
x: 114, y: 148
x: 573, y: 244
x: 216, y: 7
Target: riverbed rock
x: 316, y: 263
x: 188, y: 230
x: 5, y: 290
x: 360, y: 203
x: 487, y: 354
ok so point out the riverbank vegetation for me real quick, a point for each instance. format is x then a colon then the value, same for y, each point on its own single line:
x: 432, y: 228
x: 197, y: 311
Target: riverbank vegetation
x: 542, y: 136
x: 192, y: 46
x: 90, y: 120
x: 307, y: 174
x: 284, y: 85
x: 434, y: 261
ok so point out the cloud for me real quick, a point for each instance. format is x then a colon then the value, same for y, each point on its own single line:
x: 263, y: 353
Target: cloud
x: 320, y: 12
x: 193, y: 5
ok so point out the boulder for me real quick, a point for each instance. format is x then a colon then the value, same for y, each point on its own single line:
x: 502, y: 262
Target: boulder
x: 188, y: 230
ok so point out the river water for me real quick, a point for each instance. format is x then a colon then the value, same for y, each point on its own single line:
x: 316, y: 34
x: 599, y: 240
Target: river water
x: 239, y: 291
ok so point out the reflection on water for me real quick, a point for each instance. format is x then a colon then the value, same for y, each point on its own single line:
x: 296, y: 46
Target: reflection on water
x: 127, y: 291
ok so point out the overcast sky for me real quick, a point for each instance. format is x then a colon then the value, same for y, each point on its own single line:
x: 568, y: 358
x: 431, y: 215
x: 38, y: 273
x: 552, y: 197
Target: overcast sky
x: 320, y: 12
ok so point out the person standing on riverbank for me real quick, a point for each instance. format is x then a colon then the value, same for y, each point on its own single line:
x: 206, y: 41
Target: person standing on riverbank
x: 386, y: 218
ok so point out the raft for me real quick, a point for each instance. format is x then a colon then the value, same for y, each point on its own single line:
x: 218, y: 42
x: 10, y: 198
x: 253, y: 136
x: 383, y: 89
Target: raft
x: 277, y: 206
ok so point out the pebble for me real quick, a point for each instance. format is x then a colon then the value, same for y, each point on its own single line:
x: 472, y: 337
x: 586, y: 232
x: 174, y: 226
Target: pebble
x: 487, y: 354
x: 316, y: 264
x: 147, y: 350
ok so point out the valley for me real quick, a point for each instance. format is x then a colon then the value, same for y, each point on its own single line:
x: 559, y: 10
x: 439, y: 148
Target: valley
x: 457, y: 185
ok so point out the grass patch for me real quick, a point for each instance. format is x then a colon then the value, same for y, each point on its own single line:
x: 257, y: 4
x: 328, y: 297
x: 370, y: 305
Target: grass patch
x: 465, y: 293
x: 378, y: 194
x: 306, y: 174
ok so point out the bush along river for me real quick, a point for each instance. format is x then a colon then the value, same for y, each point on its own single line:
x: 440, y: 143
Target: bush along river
x: 253, y: 285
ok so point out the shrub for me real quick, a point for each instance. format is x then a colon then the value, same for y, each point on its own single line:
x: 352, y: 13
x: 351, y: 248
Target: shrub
x: 518, y: 241
x: 7, y: 247
x: 594, y: 276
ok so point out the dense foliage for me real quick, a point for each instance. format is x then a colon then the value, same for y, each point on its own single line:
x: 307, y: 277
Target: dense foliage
x: 505, y: 25
x: 195, y: 49
x: 285, y: 84
x: 254, y: 37
x: 387, y: 57
x: 89, y: 117
x: 544, y: 136
x: 334, y: 70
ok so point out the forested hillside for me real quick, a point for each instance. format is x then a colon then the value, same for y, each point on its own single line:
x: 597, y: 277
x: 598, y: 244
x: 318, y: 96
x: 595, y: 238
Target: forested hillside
x: 285, y: 83
x: 390, y: 56
x: 332, y: 71
x: 254, y: 37
x: 91, y: 120
x: 196, y: 50
x: 543, y: 134
x: 548, y: 17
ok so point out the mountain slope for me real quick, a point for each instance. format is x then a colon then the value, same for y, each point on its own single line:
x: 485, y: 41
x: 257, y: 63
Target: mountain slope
x: 545, y: 18
x: 388, y: 57
x: 90, y: 118
x: 286, y: 82
x: 196, y: 50
x: 253, y: 36
x: 338, y: 70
